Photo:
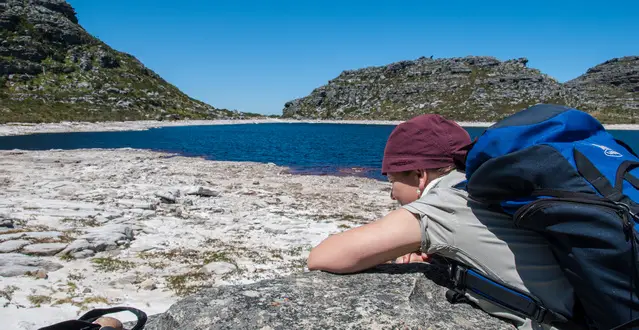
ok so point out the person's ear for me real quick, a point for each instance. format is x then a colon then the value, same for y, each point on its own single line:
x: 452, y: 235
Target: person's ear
x: 422, y: 175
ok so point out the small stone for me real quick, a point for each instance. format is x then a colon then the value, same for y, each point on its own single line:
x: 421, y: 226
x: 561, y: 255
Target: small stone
x: 41, y: 273
x: 202, y: 191
x: 219, y: 268
x: 87, y: 290
x: 59, y: 296
x: 251, y: 293
x: 136, y: 204
x: 148, y: 284
x: 166, y: 197
x: 44, y: 249
x: 6, y: 223
x: 83, y: 254
x: 128, y: 279
x: 260, y: 204
x: 256, y: 183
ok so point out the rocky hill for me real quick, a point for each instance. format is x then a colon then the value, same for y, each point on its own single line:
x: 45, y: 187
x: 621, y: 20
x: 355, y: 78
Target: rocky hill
x: 610, y: 88
x: 51, y: 69
x: 473, y: 88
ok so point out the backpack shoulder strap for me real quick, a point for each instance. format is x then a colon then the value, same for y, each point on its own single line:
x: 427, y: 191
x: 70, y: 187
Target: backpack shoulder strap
x: 466, y: 279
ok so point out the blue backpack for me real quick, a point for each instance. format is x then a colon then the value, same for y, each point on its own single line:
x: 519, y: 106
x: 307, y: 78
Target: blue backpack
x: 558, y: 172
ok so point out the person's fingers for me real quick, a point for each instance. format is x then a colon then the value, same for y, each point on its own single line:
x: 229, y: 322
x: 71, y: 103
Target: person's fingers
x: 415, y: 257
x: 106, y: 321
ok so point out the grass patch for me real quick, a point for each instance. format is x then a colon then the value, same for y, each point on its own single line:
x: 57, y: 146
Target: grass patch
x: 7, y: 293
x: 83, y: 304
x: 76, y: 276
x: 67, y: 257
x: 89, y: 222
x: 187, y: 283
x: 157, y: 264
x: 38, y: 300
x: 111, y: 264
x: 71, y: 286
x: 185, y: 256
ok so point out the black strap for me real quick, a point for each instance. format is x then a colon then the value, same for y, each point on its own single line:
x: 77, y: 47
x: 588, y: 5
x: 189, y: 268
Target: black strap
x: 72, y: 325
x: 627, y: 325
x: 588, y: 170
x: 623, y: 144
x: 465, y: 279
x: 95, y: 314
x: 623, y: 173
x: 85, y: 322
x: 632, y: 179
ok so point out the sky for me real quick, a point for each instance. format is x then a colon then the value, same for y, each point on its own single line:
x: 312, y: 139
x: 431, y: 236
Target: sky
x: 254, y: 56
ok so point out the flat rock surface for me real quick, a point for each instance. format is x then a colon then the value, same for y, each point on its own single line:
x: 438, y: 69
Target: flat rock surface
x: 44, y: 249
x: 10, y: 246
x: 389, y: 297
x: 75, y: 198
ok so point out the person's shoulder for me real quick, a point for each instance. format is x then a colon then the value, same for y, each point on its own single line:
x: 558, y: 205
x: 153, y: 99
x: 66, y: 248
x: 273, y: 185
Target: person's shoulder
x: 453, y: 180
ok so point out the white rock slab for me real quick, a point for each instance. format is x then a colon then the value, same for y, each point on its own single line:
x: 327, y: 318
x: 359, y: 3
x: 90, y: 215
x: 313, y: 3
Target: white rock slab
x: 10, y: 246
x: 17, y: 264
x: 44, y: 249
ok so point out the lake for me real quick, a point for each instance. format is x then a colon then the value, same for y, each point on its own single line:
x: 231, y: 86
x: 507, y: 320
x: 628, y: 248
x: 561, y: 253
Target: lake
x: 319, y: 149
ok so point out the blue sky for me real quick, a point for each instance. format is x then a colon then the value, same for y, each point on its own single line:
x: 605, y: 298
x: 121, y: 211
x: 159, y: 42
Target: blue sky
x: 255, y: 56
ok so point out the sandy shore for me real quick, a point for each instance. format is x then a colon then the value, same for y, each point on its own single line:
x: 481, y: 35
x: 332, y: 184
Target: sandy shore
x: 95, y: 228
x: 27, y: 128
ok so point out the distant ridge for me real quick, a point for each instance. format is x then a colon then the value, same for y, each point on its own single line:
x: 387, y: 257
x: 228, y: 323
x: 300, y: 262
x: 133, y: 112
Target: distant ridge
x: 472, y: 88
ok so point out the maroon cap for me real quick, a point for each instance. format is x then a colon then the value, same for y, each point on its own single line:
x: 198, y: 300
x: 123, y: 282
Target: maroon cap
x: 424, y: 142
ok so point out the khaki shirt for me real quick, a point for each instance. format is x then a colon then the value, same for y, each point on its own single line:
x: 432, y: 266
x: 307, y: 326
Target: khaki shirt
x: 461, y: 229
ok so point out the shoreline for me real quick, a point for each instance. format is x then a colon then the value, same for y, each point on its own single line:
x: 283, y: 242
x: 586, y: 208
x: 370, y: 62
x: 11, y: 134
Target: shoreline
x: 11, y: 129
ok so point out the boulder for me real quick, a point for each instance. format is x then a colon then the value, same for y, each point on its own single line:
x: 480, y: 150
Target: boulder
x: 386, y: 297
x: 106, y: 238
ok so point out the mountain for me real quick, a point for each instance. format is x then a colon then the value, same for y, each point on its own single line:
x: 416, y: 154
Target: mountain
x: 51, y: 69
x: 611, y: 88
x: 472, y: 88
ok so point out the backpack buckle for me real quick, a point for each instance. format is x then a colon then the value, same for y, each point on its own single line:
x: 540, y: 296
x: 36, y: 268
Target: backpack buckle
x: 540, y: 314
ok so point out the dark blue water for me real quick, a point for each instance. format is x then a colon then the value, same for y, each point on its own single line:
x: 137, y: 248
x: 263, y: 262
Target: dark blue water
x: 321, y: 149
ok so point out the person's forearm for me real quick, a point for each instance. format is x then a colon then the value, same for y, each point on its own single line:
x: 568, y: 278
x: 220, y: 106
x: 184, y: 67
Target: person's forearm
x: 367, y: 246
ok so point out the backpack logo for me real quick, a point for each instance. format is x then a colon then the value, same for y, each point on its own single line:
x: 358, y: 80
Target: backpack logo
x: 607, y: 151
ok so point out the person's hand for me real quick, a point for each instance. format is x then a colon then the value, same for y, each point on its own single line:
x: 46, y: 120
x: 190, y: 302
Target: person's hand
x: 412, y: 257
x: 106, y: 321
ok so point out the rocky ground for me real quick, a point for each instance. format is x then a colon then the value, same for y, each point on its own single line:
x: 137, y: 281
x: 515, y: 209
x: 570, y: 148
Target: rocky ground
x: 91, y: 228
